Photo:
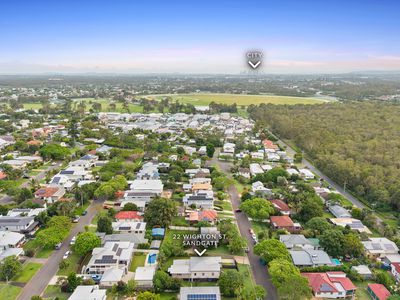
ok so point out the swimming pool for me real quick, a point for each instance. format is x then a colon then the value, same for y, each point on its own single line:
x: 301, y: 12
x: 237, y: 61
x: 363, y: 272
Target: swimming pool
x: 151, y: 259
x: 336, y: 262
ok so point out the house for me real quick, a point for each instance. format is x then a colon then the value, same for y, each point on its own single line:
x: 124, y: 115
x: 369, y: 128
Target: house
x: 296, y: 241
x: 257, y: 155
x: 202, y: 150
x: 153, y: 186
x: 24, y: 225
x: 330, y: 285
x: 196, y: 172
x: 378, y: 291
x: 132, y: 237
x: 310, y: 258
x: 203, y: 200
x: 128, y: 216
x: 284, y: 222
x: 229, y: 148
x: 363, y: 271
x: 149, y: 171
x: 201, y: 187
x: 306, y: 174
x: 200, y: 292
x: 11, y: 244
x: 292, y: 171
x: 6, y: 140
x: 25, y: 212
x: 16, y: 164
x: 379, y: 247
x: 281, y: 207
x: 245, y: 172
x: 116, y: 255
x: 82, y: 163
x: 139, y: 198
x: 76, y: 174
x: 257, y: 188
x: 273, y: 157
x: 88, y: 292
x: 196, y: 268
x: 339, y: 212
x: 3, y: 175
x: 395, y: 270
x: 354, y: 224
x: 255, y: 169
x: 111, y: 276
x: 63, y: 181
x: 270, y: 145
x: 208, y: 215
x: 144, y: 277
x: 129, y: 227
x: 50, y: 194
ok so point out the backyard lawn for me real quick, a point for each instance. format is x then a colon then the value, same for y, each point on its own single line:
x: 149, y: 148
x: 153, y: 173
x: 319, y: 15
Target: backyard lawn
x: 9, y: 292
x: 28, y: 271
x: 54, y: 292
x: 73, y: 264
x: 138, y: 260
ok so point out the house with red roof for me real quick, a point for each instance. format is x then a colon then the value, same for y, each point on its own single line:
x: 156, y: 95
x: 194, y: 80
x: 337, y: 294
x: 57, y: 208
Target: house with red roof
x: 50, y: 194
x: 332, y: 285
x: 284, y: 222
x: 208, y: 215
x: 133, y: 216
x: 281, y: 206
x: 378, y: 291
x: 270, y: 146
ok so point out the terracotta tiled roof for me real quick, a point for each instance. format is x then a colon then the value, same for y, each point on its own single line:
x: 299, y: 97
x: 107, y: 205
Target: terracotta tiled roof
x: 128, y: 215
x: 46, y: 192
x: 282, y: 221
x: 280, y: 205
x: 379, y: 290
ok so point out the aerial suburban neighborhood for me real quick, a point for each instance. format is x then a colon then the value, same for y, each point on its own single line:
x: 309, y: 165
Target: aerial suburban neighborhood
x: 183, y: 203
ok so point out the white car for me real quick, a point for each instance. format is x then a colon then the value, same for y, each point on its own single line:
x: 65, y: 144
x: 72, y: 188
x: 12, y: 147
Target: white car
x: 73, y: 241
x: 66, y: 254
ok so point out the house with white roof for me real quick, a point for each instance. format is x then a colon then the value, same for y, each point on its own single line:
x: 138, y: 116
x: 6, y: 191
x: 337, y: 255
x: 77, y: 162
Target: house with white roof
x: 154, y: 186
x: 255, y: 169
x: 88, y: 292
x: 144, y: 276
x: 196, y: 268
x: 11, y: 244
x: 296, y: 241
x: 112, y: 255
x: 258, y: 188
x: 306, y: 174
x: 200, y: 292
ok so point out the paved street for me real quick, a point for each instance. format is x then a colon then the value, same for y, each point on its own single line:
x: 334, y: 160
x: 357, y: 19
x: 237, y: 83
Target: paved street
x: 7, y: 199
x: 259, y: 271
x: 38, y: 283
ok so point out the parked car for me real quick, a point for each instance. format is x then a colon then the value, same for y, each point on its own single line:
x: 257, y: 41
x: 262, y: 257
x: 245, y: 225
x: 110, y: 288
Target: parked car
x: 238, y: 210
x: 84, y: 213
x: 96, y: 278
x: 76, y: 219
x: 73, y: 241
x: 66, y: 254
x: 58, y: 246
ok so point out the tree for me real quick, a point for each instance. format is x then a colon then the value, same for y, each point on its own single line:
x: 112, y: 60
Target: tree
x: 236, y: 244
x: 130, y: 207
x: 104, y: 224
x: 86, y: 242
x: 9, y: 267
x: 162, y: 281
x: 36, y: 297
x: 23, y: 194
x: 73, y: 281
x: 288, y: 281
x: 210, y: 150
x: 148, y: 296
x: 257, y: 293
x: 311, y: 208
x: 352, y: 245
x: 318, y: 225
x: 50, y: 237
x: 105, y: 191
x: 54, y: 151
x: 332, y: 241
x: 257, y: 208
x: 160, y: 212
x: 229, y: 282
x: 272, y: 249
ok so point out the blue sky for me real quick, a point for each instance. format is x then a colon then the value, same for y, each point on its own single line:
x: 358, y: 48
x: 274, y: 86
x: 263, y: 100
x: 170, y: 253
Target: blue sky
x: 198, y: 36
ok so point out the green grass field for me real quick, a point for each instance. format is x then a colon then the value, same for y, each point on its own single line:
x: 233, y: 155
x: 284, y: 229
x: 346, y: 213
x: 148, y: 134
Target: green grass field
x: 9, y: 292
x: 54, y: 292
x: 205, y: 99
x: 28, y: 271
x: 105, y: 105
x: 138, y: 260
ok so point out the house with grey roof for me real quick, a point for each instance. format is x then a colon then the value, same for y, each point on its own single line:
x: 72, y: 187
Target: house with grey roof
x: 379, y: 247
x: 296, y: 241
x: 200, y: 292
x: 24, y: 225
x: 11, y: 244
x: 310, y: 258
x: 197, y: 268
x: 135, y: 238
x: 339, y: 212
x: 88, y: 292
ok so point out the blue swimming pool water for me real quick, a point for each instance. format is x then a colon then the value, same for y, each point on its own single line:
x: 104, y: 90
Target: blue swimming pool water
x: 152, y: 258
x: 336, y: 261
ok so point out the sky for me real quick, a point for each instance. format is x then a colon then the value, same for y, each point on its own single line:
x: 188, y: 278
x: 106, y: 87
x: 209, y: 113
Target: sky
x: 114, y: 36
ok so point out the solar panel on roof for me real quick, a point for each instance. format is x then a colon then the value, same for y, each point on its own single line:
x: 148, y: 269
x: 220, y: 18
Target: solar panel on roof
x: 201, y: 297
x: 115, y: 247
x: 66, y: 172
x: 56, y: 180
x: 125, y: 228
x: 107, y: 257
x: 119, y: 251
x: 138, y: 225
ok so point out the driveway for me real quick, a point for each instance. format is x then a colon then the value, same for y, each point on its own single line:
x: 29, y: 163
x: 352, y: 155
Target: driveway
x: 39, y: 282
x: 8, y: 199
